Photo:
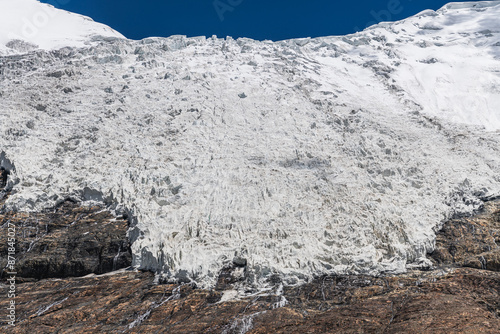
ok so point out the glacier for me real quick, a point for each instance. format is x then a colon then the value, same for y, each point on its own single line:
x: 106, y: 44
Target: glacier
x: 340, y: 154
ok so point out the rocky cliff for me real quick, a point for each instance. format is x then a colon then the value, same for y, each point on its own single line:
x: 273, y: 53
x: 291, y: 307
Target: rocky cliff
x: 64, y: 241
x: 460, y: 293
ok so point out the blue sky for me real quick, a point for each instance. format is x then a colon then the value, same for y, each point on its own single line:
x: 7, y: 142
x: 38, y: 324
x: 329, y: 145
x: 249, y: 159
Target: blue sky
x: 257, y: 19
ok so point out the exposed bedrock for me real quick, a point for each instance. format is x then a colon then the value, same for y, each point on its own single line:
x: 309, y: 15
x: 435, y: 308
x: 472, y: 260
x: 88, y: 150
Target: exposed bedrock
x: 471, y: 242
x: 68, y: 240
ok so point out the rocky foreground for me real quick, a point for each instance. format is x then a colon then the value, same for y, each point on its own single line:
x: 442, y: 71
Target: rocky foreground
x: 460, y: 294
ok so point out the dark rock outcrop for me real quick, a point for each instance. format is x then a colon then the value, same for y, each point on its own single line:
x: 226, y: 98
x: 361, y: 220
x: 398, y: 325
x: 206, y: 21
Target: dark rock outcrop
x: 69, y: 240
x: 231, y: 273
x: 471, y: 242
x: 3, y: 177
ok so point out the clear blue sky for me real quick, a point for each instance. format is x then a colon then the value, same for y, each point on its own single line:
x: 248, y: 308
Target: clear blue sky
x: 257, y: 19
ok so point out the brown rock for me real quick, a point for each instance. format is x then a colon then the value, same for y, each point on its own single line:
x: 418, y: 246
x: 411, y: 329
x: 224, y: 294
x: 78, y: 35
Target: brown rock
x: 464, y: 301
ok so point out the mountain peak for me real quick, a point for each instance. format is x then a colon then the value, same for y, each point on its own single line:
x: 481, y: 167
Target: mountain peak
x: 29, y: 24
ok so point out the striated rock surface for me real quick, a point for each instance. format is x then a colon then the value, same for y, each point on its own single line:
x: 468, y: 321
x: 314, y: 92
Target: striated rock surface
x: 445, y: 299
x: 68, y: 240
x: 465, y: 301
x: 471, y: 242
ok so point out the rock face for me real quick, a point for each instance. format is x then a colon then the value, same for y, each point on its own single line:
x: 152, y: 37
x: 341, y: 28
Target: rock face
x: 471, y: 242
x: 3, y: 177
x: 442, y: 300
x: 68, y: 240
x: 465, y: 301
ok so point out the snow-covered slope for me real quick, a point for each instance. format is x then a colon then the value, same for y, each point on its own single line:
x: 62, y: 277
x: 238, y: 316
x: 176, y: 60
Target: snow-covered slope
x: 452, y: 58
x: 334, y: 154
x: 28, y: 24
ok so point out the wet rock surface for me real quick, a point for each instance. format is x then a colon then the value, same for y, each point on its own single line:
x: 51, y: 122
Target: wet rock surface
x: 452, y: 297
